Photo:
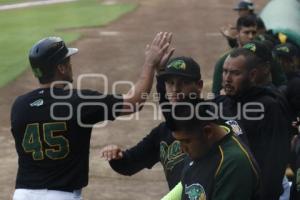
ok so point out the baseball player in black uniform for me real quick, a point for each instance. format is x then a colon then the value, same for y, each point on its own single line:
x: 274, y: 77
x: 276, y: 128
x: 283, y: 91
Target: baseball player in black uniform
x: 52, y: 125
x: 181, y: 76
x: 219, y: 165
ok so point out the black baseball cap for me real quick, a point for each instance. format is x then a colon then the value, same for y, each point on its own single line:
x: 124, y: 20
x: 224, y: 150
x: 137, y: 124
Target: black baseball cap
x: 182, y: 66
x: 244, y: 5
x: 286, y: 50
x: 259, y: 49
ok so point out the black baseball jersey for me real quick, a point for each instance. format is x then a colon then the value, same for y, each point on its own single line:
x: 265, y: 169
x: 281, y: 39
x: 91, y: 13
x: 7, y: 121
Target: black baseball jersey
x: 158, y: 146
x: 227, y: 171
x: 268, y: 137
x: 52, y: 133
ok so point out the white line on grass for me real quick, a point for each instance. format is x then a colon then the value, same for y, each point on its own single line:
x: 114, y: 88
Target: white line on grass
x: 32, y: 3
x: 109, y: 2
x: 108, y: 33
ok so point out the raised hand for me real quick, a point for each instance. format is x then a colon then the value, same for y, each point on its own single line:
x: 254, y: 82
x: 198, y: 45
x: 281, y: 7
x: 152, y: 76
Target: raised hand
x: 229, y: 31
x: 169, y: 52
x: 157, y: 49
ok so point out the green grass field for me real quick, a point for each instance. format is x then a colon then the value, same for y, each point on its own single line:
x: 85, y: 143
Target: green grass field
x: 2, y: 2
x: 21, y: 28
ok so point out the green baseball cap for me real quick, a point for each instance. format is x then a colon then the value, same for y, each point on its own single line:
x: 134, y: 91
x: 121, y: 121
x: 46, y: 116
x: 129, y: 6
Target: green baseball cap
x: 287, y: 50
x: 259, y: 49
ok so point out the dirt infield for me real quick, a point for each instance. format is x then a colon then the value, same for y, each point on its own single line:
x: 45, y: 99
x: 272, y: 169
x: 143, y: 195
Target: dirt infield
x: 117, y: 51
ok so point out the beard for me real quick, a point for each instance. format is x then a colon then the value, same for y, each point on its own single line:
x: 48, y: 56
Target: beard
x: 244, y: 86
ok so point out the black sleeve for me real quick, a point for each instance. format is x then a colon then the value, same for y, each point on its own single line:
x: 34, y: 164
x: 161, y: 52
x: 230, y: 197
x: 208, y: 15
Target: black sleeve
x: 273, y: 151
x: 95, y: 107
x: 143, y: 155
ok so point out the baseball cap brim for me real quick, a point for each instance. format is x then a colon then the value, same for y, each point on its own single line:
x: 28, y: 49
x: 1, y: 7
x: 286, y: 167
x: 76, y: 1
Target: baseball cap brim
x: 166, y: 75
x: 243, y: 8
x: 71, y: 51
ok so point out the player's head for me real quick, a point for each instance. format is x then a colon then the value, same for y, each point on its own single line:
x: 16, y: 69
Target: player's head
x: 244, y: 8
x: 50, y: 60
x: 247, y: 29
x: 243, y: 67
x: 287, y: 56
x: 182, y: 78
x: 194, y: 127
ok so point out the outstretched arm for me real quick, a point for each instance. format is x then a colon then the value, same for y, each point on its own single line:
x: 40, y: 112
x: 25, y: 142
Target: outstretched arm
x: 144, y: 154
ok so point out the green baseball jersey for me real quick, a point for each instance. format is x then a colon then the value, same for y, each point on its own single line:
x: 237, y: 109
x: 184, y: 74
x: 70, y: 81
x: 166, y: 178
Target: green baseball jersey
x: 227, y: 171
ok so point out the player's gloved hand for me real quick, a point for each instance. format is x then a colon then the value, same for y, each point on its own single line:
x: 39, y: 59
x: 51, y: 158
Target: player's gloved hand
x: 111, y: 152
x: 156, y: 50
x: 229, y: 31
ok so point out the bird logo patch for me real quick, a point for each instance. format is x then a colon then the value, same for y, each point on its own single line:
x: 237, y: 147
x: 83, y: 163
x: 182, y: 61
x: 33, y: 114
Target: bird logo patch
x: 195, y: 192
x: 177, y: 64
x: 250, y: 46
x: 283, y: 49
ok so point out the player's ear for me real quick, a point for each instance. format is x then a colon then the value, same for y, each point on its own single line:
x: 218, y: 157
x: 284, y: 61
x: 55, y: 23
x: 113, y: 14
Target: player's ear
x: 61, y: 68
x: 208, y: 132
x: 253, y: 75
x: 200, y: 85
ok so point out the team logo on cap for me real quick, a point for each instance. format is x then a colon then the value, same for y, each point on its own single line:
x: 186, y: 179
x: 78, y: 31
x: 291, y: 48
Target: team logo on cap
x: 283, y: 49
x: 250, y: 46
x: 177, y: 64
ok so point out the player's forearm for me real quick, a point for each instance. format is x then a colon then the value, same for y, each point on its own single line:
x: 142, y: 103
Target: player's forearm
x: 136, y: 96
x: 126, y: 167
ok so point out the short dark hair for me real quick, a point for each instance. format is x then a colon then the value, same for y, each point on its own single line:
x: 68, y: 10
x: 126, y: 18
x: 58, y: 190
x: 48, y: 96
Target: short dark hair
x: 246, y: 21
x: 252, y: 61
x: 260, y: 23
x: 49, y: 71
x: 189, y: 117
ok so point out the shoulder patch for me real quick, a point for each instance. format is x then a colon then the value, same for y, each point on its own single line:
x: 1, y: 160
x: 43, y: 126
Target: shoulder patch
x: 195, y: 192
x: 236, y: 129
x: 37, y: 103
